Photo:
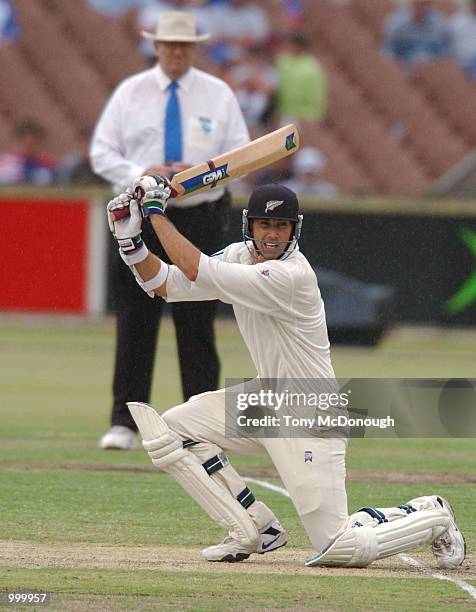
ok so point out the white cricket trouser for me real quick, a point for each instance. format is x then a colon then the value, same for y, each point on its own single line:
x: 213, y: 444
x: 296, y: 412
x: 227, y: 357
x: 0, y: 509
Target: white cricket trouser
x: 317, y: 487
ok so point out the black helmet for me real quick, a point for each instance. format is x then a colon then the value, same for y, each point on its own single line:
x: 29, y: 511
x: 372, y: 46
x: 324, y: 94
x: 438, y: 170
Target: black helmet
x: 273, y: 201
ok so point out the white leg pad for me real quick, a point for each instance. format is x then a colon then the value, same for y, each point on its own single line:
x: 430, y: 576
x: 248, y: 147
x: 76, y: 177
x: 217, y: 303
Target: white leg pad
x: 167, y: 453
x: 359, y: 546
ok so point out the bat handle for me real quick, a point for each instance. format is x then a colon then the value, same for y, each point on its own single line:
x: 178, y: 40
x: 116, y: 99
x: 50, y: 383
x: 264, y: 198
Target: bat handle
x: 138, y: 195
x: 117, y: 215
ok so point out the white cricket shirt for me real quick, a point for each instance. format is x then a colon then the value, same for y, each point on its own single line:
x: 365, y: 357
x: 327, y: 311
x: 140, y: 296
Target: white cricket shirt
x: 129, y: 136
x: 277, y: 304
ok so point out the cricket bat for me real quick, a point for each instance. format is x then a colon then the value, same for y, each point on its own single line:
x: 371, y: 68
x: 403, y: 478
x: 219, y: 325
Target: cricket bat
x: 233, y: 164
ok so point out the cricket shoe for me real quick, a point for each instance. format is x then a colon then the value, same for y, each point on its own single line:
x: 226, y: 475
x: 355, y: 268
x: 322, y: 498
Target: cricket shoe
x: 449, y: 548
x: 272, y: 536
x: 118, y: 438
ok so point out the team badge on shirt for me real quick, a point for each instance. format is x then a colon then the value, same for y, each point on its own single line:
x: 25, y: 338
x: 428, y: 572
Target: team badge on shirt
x: 264, y: 272
x: 206, y: 124
x: 307, y: 456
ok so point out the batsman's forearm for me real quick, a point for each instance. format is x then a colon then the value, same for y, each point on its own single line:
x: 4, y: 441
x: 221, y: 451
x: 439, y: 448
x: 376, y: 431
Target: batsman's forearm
x: 183, y: 253
x: 149, y: 267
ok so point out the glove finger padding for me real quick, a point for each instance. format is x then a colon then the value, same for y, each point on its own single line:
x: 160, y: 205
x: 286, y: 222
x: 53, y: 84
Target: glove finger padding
x: 135, y: 213
x: 119, y: 203
x: 155, y: 201
x: 149, y: 182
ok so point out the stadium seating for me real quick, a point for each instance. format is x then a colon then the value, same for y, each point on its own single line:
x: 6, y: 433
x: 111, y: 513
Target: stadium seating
x: 104, y: 41
x: 342, y: 168
x: 451, y: 95
x: 5, y: 129
x: 392, y: 168
x: 385, y: 87
x: 386, y: 131
x: 24, y: 95
x: 76, y: 83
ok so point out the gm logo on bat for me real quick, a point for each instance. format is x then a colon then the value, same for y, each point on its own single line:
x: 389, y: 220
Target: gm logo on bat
x: 215, y: 175
x: 211, y: 177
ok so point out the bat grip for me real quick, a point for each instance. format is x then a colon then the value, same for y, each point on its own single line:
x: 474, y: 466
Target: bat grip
x: 139, y: 193
x: 211, y: 165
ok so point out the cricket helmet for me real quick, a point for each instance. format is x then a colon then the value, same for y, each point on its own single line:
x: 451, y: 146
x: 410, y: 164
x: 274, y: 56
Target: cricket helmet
x: 273, y: 201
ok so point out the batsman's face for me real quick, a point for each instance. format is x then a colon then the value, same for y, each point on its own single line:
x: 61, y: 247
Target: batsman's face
x: 271, y: 236
x: 175, y: 58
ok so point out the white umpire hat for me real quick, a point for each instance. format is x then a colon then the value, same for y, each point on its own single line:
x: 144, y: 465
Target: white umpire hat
x: 176, y: 26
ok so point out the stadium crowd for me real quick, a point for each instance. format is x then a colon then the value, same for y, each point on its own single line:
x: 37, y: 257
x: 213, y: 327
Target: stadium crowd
x: 277, y: 79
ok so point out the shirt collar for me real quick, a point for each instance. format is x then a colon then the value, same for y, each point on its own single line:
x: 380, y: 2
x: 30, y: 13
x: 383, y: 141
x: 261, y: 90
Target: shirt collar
x: 164, y: 81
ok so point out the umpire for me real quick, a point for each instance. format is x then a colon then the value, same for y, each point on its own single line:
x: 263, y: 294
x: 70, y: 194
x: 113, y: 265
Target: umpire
x: 161, y: 121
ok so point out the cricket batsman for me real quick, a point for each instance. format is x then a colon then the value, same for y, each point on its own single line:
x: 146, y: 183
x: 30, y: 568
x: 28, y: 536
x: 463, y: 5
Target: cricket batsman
x: 280, y: 313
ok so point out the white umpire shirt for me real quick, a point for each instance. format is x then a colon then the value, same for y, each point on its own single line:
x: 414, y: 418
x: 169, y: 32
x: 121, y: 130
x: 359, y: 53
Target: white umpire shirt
x: 129, y: 136
x: 277, y: 304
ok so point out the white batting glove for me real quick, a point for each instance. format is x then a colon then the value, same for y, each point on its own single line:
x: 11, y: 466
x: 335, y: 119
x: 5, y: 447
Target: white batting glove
x: 127, y: 231
x: 154, y: 191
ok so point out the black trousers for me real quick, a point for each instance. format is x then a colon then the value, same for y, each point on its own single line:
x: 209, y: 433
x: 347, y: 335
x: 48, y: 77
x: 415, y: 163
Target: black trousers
x: 138, y: 317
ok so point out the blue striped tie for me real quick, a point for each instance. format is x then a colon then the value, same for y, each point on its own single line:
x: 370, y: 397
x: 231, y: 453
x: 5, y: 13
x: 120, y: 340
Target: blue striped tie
x: 173, y: 126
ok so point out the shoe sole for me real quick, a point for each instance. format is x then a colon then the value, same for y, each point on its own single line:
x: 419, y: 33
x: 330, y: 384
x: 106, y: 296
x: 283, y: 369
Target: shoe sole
x: 242, y: 556
x: 231, y: 558
x: 447, y: 506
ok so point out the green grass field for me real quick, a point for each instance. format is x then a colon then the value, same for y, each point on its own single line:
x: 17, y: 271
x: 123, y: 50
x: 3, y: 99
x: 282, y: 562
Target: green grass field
x: 103, y: 531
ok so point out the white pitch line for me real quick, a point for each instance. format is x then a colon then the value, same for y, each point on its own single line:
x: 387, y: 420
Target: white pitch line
x: 425, y: 568
x: 268, y: 485
x: 465, y: 586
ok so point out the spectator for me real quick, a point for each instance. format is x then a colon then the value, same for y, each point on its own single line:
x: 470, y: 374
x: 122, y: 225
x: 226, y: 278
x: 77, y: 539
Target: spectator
x: 236, y: 26
x: 254, y: 81
x: 416, y: 33
x: 75, y: 169
x: 463, y: 38
x: 115, y: 8
x: 294, y: 14
x: 302, y: 82
x: 28, y: 162
x: 245, y: 22
x: 8, y: 22
x: 161, y: 121
x: 307, y: 181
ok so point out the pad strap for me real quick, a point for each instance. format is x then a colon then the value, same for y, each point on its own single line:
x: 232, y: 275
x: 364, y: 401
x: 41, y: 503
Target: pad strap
x: 216, y: 463
x: 375, y: 513
x: 246, y: 498
x: 189, y: 442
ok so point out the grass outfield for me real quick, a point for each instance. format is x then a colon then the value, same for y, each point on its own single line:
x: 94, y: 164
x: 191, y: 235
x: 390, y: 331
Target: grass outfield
x: 103, y: 531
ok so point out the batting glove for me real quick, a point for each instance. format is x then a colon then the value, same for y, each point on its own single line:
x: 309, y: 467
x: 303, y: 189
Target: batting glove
x: 154, y: 192
x: 127, y: 230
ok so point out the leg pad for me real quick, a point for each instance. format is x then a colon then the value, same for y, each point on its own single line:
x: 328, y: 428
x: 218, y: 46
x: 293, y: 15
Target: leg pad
x: 359, y: 546
x: 167, y: 453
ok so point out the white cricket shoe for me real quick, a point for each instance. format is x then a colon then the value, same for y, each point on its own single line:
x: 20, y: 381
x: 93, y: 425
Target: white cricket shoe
x: 119, y: 438
x: 230, y: 550
x: 450, y: 548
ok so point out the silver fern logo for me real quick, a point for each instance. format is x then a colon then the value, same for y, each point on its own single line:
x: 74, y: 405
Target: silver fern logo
x: 272, y: 204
